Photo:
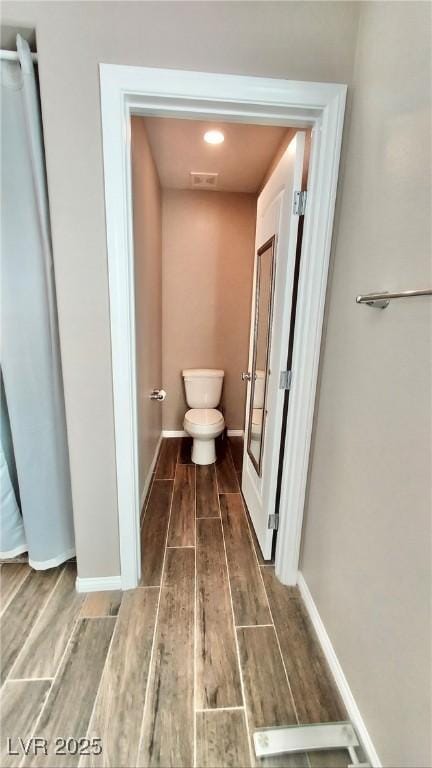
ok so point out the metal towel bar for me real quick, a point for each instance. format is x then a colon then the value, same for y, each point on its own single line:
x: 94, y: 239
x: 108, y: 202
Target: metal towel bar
x: 382, y: 300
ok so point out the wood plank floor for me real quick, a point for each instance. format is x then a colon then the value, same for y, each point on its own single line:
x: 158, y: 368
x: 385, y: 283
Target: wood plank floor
x: 217, y: 673
x: 169, y: 714
x: 178, y: 672
x: 119, y: 706
x: 44, y: 648
x: 207, y: 502
x: 21, y: 705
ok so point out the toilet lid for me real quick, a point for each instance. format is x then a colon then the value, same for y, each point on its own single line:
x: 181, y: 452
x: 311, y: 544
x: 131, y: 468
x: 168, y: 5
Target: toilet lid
x: 203, y: 416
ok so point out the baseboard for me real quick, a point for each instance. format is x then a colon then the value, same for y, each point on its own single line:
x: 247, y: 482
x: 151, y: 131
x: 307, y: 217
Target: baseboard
x: 173, y: 433
x: 150, y: 473
x: 98, y: 584
x: 182, y: 433
x: 338, y: 674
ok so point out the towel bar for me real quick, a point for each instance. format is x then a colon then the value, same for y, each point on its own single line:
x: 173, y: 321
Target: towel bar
x: 382, y: 300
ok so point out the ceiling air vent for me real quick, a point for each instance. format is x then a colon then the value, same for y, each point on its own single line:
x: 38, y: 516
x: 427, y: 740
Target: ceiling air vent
x: 203, y: 180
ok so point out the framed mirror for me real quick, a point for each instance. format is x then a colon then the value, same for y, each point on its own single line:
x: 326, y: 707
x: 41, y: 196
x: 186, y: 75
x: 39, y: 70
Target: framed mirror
x: 261, y: 352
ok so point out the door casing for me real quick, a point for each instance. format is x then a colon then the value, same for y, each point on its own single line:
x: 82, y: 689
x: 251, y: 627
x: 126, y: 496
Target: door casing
x: 127, y: 91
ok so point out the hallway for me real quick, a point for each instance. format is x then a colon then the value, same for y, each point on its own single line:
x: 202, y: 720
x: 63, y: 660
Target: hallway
x: 180, y: 671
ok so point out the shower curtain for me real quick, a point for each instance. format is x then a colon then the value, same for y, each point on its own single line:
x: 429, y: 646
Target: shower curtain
x: 30, y: 357
x: 12, y: 536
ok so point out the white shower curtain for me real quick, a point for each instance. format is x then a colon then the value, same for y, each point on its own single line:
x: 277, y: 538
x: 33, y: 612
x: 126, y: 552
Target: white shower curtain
x: 30, y: 357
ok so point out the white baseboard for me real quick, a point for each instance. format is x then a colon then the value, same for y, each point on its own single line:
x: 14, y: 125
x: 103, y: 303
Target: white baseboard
x: 182, y: 433
x: 150, y: 473
x: 338, y: 674
x: 173, y: 433
x: 98, y: 584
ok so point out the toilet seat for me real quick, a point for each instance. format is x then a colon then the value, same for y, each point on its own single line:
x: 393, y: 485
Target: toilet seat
x: 204, y: 420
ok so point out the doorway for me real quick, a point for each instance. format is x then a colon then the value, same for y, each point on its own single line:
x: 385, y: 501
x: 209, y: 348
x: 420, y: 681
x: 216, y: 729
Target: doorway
x: 134, y: 90
x: 209, y: 296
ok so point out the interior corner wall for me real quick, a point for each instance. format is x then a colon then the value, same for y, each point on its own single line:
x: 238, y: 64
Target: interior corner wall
x: 366, y: 539
x: 147, y: 230
x: 208, y: 256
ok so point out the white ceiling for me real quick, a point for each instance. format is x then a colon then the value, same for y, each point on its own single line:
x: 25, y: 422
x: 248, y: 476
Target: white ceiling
x: 241, y: 161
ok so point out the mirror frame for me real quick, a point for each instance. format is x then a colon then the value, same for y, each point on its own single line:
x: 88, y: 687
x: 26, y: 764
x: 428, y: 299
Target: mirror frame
x: 269, y: 244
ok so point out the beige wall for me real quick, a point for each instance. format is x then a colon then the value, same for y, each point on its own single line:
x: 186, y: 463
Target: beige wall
x: 208, y: 256
x: 304, y: 41
x: 366, y: 550
x: 147, y: 226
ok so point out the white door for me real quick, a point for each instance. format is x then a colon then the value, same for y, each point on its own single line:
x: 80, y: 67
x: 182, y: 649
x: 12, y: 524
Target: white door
x: 275, y: 257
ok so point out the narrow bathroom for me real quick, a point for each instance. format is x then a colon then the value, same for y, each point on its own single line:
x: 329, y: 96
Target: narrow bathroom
x: 195, y: 187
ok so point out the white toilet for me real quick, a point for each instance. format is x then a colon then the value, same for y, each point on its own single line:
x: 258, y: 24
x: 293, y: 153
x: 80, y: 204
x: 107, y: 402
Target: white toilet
x: 203, y: 422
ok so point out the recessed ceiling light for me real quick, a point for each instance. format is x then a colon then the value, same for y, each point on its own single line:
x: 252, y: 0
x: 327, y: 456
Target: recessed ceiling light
x: 214, y: 137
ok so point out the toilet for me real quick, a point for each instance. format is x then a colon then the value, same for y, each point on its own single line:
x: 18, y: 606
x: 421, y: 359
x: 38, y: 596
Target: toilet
x: 203, y: 421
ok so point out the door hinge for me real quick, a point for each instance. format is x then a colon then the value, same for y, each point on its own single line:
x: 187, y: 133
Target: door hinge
x: 300, y: 199
x: 285, y: 380
x: 273, y: 522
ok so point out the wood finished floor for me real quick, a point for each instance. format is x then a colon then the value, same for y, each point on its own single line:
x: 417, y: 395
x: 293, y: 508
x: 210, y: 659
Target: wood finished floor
x: 179, y: 671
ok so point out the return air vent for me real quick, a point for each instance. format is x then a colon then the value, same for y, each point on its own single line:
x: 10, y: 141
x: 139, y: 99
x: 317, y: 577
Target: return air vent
x: 203, y: 180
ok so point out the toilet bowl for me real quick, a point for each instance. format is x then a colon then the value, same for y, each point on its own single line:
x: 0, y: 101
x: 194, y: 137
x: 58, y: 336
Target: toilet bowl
x: 204, y: 425
x: 203, y: 422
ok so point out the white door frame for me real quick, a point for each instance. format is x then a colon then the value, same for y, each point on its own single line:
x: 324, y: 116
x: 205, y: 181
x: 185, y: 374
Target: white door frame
x: 129, y: 90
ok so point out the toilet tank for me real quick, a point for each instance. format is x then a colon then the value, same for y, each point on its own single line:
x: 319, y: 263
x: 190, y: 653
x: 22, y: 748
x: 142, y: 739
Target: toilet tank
x: 203, y: 387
